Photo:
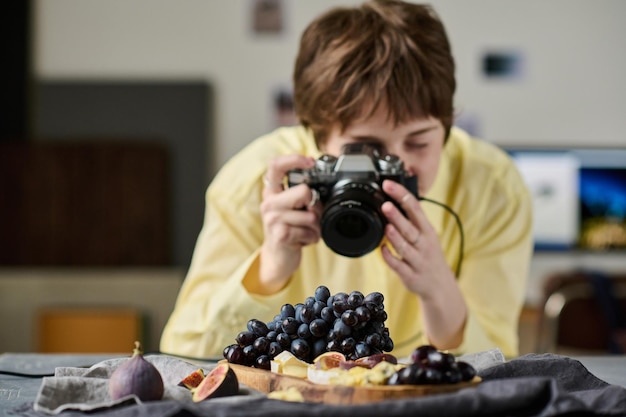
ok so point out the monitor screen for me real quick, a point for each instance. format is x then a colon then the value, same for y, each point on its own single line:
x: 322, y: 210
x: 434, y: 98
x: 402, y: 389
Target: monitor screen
x: 579, y: 196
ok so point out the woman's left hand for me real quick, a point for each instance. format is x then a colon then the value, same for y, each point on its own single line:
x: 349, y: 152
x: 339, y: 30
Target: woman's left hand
x: 421, y: 265
x: 420, y: 261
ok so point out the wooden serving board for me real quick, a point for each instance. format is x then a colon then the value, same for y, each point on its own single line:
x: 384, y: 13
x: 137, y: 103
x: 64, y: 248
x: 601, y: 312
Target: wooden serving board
x: 266, y: 381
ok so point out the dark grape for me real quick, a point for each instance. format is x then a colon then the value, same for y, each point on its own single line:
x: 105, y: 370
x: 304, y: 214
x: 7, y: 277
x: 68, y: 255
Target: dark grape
x: 341, y: 329
x: 374, y: 297
x: 362, y: 350
x: 440, y: 360
x: 342, y: 296
x: 317, y: 308
x: 283, y: 340
x: 249, y: 355
x: 387, y: 344
x: 403, y: 377
x: 347, y: 345
x: 433, y: 376
x: 452, y: 375
x: 300, y: 348
x: 307, y: 313
x: 350, y: 318
x: 319, y: 347
x: 421, y: 353
x: 290, y: 325
x: 303, y: 331
x: 309, y: 301
x: 287, y: 310
x: 263, y: 362
x: 257, y: 327
x: 235, y: 355
x: 271, y: 335
x: 333, y: 345
x: 245, y: 338
x: 328, y: 315
x: 274, y: 349
x: 381, y: 315
x: 318, y: 328
x: 298, y: 314
x: 330, y: 301
x: 339, y: 306
x: 374, y: 340
x: 377, y: 326
x: 363, y: 314
x: 467, y: 371
x: 322, y: 293
x: 261, y: 344
x: 271, y: 325
x: 355, y: 299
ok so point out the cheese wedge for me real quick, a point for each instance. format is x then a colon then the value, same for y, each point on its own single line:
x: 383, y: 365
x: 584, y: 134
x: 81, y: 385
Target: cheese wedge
x: 287, y: 364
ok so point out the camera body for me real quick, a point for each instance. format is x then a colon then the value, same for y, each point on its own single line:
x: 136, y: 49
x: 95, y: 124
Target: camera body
x: 350, y: 187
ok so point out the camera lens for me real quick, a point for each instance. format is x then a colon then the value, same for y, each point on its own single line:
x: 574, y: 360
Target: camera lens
x: 352, y: 226
x: 352, y: 223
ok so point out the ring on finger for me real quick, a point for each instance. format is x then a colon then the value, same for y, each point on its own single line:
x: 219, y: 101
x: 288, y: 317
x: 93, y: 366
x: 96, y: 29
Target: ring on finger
x: 405, y: 198
x: 315, y: 196
x: 272, y: 185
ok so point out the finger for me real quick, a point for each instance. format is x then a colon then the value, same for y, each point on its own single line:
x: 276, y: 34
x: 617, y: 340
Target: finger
x: 293, y: 228
x: 409, y: 231
x: 273, y: 186
x: 278, y: 168
x: 396, y: 264
x: 409, y: 202
x: 297, y: 197
x: 406, y: 251
x: 294, y: 218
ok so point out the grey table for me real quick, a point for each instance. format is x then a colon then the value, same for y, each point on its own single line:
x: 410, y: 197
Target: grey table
x: 21, y: 373
x: 611, y: 369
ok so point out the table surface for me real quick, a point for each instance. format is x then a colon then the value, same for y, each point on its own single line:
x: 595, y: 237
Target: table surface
x: 21, y: 373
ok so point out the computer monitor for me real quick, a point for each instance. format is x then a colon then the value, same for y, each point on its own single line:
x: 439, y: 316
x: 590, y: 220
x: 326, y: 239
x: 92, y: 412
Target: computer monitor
x: 579, y: 196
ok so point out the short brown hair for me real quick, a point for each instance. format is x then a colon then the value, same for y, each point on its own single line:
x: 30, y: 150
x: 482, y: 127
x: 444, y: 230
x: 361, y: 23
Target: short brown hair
x: 384, y: 51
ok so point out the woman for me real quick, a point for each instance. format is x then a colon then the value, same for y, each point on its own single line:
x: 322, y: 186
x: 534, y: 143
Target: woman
x: 381, y: 74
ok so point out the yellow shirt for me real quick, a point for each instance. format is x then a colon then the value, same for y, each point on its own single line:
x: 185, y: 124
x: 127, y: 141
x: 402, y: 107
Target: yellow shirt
x: 477, y: 180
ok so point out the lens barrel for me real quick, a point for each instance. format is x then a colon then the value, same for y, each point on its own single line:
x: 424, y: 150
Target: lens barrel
x: 352, y: 224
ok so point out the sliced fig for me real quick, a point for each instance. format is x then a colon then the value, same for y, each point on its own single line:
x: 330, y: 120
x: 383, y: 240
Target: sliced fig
x: 220, y: 382
x: 373, y: 360
x: 329, y: 360
x: 136, y: 376
x: 193, y: 379
x: 349, y: 364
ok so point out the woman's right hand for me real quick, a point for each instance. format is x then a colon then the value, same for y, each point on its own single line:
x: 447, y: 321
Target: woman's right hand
x: 290, y: 222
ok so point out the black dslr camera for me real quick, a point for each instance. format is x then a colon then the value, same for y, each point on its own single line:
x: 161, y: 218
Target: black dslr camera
x: 350, y: 187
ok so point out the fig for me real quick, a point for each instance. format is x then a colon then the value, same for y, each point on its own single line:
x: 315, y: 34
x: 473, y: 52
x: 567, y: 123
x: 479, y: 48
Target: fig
x: 329, y: 360
x: 136, y: 376
x: 193, y: 379
x: 220, y: 382
x: 373, y: 360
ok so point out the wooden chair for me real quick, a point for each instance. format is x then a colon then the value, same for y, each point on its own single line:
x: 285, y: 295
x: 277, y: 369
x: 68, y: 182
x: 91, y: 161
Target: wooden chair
x: 583, y: 312
x: 88, y: 330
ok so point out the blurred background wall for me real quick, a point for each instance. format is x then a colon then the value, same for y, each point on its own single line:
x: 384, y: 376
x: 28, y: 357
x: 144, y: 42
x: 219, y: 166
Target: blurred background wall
x: 570, y: 89
x: 533, y: 73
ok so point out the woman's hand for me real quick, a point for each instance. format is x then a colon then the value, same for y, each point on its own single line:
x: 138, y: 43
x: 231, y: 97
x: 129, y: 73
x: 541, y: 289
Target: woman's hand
x: 421, y: 265
x: 290, y: 222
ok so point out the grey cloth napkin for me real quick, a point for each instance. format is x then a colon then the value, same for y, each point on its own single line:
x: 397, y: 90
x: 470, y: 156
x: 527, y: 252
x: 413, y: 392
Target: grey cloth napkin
x: 86, y: 389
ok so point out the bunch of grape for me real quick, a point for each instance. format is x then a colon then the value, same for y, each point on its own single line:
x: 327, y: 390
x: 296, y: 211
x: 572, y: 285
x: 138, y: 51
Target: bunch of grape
x: 352, y: 324
x: 431, y: 366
